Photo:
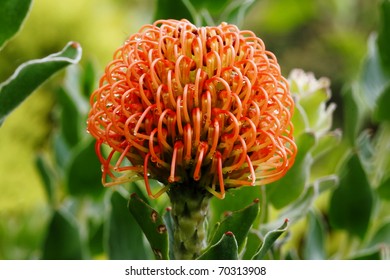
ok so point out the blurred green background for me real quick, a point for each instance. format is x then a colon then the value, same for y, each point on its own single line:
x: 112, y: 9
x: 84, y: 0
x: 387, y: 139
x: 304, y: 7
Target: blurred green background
x: 327, y: 37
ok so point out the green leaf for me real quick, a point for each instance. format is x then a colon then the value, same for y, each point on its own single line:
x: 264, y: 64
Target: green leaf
x: 252, y: 244
x: 215, y: 7
x: 234, y: 13
x: 374, y: 253
x: 12, y: 15
x: 314, y: 103
x: 124, y: 238
x: 382, y: 236
x: 33, y: 73
x: 352, y: 202
x: 326, y: 143
x: 353, y: 113
x: 314, y: 247
x: 381, y: 110
x: 62, y: 152
x: 48, y: 178
x: 69, y: 119
x: 225, y: 249
x: 384, y: 35
x: 174, y: 9
x: 83, y: 173
x: 269, y: 240
x: 74, y: 106
x: 294, y: 212
x: 235, y: 200
x: 89, y: 79
x: 284, y: 16
x: 329, y: 163
x: 152, y: 225
x: 238, y: 222
x: 384, y: 189
x: 300, y: 120
x: 203, y: 11
x: 377, y: 161
x: 168, y: 220
x: 373, y: 78
x: 63, y: 240
x: 96, y: 238
x: 290, y: 187
x: 326, y: 183
x: 73, y: 85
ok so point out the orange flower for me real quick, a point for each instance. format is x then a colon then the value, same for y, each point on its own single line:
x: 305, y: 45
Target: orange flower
x: 201, y: 106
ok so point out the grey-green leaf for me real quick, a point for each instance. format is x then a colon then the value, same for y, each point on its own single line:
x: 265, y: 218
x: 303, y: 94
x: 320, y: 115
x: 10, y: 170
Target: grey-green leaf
x: 31, y: 75
x: 314, y: 244
x: 225, y: 249
x: 373, y: 79
x: 152, y: 225
x: 269, y: 240
x: 294, y: 211
x: 12, y: 15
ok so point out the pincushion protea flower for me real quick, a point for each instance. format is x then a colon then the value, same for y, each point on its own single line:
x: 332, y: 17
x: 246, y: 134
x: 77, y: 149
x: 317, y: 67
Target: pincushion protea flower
x: 192, y: 106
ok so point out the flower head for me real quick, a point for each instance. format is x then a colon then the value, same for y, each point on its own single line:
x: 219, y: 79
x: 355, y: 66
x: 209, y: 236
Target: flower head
x: 187, y: 105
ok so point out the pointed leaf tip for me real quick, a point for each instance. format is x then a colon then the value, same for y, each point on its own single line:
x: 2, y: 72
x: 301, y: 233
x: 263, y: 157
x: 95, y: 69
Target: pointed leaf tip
x: 237, y: 222
x: 225, y: 249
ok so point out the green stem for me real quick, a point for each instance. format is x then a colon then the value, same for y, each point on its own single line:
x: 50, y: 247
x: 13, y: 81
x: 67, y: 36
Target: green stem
x: 189, y: 213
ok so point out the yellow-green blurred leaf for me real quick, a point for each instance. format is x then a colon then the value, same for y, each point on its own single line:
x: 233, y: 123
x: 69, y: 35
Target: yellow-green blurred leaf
x: 381, y: 236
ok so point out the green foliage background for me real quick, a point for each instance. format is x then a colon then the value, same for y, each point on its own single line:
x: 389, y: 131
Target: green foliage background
x: 328, y: 38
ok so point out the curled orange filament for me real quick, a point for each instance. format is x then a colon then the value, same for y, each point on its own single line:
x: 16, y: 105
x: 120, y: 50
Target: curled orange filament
x: 182, y: 105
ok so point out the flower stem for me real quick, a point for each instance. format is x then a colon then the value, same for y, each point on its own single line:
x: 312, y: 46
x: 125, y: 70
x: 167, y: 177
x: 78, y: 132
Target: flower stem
x: 189, y: 212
